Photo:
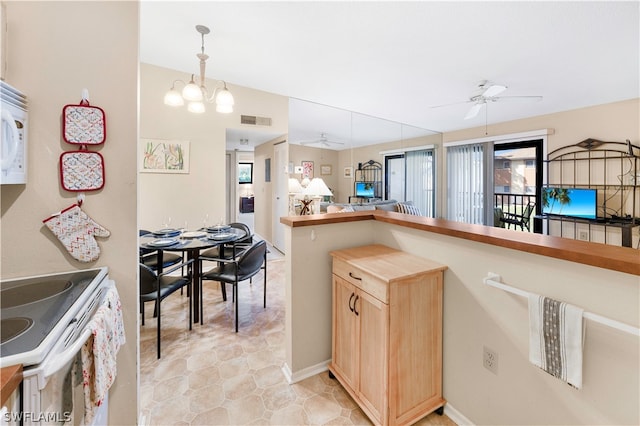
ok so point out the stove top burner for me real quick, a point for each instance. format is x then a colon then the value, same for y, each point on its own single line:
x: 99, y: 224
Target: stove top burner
x: 11, y: 328
x: 36, y: 310
x: 17, y: 296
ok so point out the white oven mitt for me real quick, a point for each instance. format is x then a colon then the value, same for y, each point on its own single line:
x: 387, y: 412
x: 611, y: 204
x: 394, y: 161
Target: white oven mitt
x: 76, y: 230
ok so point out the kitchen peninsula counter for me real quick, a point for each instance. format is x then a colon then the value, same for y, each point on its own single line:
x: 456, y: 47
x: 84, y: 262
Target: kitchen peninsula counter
x: 10, y: 378
x: 601, y: 279
x: 621, y: 259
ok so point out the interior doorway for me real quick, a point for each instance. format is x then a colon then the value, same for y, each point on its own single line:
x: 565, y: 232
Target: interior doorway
x: 230, y: 190
x: 280, y: 193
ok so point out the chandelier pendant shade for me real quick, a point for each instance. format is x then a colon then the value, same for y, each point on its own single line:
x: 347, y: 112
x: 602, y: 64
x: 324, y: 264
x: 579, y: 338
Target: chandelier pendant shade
x: 196, y: 93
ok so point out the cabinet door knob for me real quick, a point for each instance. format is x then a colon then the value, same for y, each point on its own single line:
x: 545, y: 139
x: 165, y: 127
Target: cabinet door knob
x: 351, y: 298
x: 354, y: 305
x: 354, y: 277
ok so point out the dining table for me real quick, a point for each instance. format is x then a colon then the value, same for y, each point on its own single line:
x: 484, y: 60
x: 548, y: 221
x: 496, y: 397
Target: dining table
x: 191, y: 243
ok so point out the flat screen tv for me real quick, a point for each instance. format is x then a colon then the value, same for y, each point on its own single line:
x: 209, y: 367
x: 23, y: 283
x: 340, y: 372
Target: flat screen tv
x: 574, y: 202
x: 365, y: 189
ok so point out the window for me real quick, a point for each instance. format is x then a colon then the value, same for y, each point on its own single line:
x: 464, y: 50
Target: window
x: 506, y: 165
x: 245, y: 173
x: 530, y: 164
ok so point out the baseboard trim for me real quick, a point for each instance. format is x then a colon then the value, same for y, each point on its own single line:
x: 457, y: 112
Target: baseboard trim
x: 305, y: 373
x: 456, y: 416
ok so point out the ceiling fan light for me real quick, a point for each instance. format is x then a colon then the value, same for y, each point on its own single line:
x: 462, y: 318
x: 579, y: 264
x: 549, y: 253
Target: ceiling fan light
x: 494, y: 90
x: 475, y: 109
x: 192, y: 91
x: 173, y: 98
x: 224, y: 101
x: 196, y: 107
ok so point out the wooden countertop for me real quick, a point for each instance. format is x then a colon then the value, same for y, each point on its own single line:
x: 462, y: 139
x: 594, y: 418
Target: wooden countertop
x: 622, y: 259
x: 386, y: 263
x: 9, y: 381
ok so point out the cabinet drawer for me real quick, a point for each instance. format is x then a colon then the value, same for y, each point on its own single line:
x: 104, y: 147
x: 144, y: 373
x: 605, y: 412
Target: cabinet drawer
x: 374, y: 286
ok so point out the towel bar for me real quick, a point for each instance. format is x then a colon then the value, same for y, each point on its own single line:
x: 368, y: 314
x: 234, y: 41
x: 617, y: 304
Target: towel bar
x: 494, y: 281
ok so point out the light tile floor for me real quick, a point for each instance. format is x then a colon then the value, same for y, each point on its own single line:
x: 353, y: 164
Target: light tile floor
x: 213, y: 376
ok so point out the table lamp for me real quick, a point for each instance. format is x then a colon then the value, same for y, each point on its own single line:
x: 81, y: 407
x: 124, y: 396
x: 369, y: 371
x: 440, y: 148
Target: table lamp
x: 316, y: 190
x: 294, y: 189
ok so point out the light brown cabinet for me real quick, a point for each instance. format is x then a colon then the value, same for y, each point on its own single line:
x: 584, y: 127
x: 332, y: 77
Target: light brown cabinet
x: 387, y: 332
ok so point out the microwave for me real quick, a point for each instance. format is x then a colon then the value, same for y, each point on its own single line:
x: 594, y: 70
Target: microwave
x: 13, y: 135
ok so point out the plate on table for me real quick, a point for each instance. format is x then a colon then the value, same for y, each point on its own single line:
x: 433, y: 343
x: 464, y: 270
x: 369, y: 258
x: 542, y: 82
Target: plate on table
x: 167, y: 232
x: 162, y: 242
x: 218, y: 228
x: 193, y: 234
x: 221, y: 236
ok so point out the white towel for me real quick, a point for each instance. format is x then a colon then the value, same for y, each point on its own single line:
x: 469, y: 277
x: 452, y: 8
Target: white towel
x: 99, y: 367
x: 556, y: 338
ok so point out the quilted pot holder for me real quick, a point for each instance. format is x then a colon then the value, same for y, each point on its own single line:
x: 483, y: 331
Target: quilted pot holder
x: 84, y: 124
x: 81, y: 171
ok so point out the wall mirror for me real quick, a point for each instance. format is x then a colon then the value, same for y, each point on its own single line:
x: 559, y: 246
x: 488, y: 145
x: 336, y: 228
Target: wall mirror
x: 347, y: 141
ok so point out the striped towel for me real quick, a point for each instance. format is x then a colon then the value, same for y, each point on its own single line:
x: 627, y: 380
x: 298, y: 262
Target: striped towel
x: 556, y: 338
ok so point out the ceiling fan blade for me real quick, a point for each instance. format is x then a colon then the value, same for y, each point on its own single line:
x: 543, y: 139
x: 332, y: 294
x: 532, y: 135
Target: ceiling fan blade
x: 475, y: 109
x: 324, y: 142
x: 493, y: 90
x: 451, y: 104
x: 517, y: 98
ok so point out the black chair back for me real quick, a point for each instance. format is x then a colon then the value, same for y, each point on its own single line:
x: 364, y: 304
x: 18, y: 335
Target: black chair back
x: 148, y: 280
x: 248, y: 239
x: 251, y: 261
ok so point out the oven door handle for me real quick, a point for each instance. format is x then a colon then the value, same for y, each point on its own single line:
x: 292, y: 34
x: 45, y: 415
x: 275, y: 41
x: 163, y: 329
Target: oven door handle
x: 55, y: 363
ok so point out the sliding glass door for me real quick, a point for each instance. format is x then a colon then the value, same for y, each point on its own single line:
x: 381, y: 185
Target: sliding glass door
x: 487, y: 180
x: 394, y: 177
x: 467, y: 183
x: 517, y: 176
x: 410, y: 176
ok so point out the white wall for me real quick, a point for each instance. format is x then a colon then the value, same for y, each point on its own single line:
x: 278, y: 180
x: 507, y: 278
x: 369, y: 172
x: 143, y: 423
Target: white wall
x: 189, y: 197
x: 55, y: 49
x: 475, y: 316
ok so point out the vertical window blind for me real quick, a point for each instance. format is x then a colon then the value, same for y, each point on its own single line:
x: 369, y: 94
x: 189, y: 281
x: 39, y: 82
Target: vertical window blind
x: 465, y: 183
x: 419, y: 184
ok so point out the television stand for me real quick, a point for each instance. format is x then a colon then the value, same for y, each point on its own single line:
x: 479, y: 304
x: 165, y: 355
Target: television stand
x: 626, y: 224
x: 363, y: 200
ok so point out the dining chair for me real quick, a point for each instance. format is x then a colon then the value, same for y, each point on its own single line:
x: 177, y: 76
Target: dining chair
x: 149, y: 257
x: 228, y: 251
x: 242, y: 268
x: 157, y: 287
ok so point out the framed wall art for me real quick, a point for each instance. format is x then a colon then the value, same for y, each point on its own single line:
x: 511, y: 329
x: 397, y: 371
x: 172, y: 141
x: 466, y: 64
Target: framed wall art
x: 325, y: 169
x: 348, y: 172
x: 307, y: 169
x: 164, y: 156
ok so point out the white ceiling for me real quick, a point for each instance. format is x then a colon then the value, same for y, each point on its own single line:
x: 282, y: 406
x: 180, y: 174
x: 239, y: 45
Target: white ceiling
x: 397, y: 59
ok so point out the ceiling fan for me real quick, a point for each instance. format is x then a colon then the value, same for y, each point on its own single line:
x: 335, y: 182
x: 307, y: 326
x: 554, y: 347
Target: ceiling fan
x: 323, y: 140
x: 488, y: 92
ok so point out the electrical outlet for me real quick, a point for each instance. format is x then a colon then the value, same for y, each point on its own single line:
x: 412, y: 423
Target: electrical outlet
x: 583, y: 235
x: 490, y: 359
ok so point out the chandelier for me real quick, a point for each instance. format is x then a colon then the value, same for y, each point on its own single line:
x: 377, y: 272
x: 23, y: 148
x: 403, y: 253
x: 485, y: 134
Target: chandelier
x: 196, y: 95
